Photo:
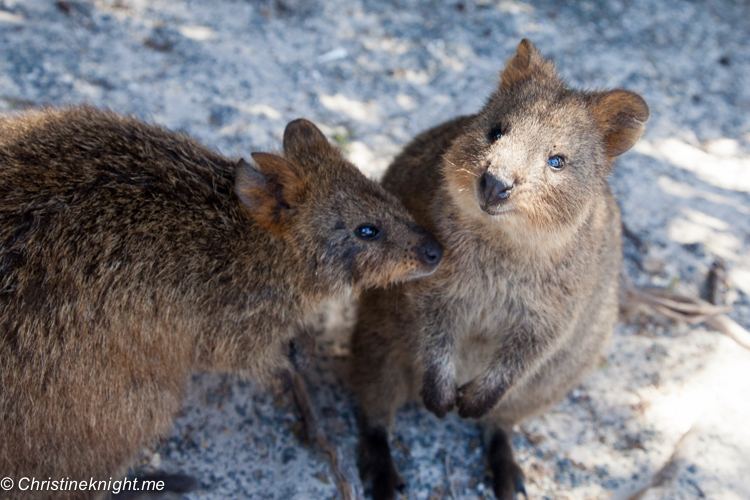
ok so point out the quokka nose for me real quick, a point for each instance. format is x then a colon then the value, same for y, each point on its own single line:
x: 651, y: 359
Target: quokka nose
x: 431, y: 252
x: 494, y: 190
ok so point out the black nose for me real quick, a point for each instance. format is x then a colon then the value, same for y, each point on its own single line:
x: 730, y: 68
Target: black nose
x: 430, y: 251
x: 494, y: 190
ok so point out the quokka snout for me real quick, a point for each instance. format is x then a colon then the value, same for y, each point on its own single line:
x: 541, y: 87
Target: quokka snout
x: 132, y: 256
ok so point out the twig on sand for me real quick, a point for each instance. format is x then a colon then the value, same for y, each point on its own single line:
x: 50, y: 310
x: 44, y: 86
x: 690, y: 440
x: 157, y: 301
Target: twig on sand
x: 347, y: 480
x: 675, y: 306
x: 688, y: 309
x: 727, y: 325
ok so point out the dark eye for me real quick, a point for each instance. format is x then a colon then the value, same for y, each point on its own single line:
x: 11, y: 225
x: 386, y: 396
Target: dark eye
x: 367, y: 232
x: 556, y: 162
x: 495, y: 132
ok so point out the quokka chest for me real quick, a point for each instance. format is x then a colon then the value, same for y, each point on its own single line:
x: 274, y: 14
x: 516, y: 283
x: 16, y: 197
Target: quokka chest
x: 491, y: 304
x: 494, y: 295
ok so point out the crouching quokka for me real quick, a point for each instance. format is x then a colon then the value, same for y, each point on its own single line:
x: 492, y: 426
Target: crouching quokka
x: 131, y: 257
x: 526, y: 296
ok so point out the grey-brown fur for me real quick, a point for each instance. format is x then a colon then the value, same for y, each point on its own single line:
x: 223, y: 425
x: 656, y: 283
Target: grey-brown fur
x: 526, y: 295
x: 131, y: 256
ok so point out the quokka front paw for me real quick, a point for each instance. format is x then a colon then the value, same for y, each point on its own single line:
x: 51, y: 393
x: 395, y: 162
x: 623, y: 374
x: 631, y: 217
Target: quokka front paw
x: 474, y: 399
x: 438, y: 392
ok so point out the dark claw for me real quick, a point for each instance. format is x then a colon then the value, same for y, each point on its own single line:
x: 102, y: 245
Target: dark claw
x: 520, y: 487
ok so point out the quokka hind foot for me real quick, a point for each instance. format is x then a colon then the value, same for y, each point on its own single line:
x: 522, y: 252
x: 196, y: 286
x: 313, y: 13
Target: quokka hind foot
x: 377, y: 470
x: 507, y: 476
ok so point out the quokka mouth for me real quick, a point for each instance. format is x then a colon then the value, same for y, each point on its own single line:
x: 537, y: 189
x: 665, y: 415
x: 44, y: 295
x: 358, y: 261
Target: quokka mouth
x: 423, y: 271
x: 497, y: 210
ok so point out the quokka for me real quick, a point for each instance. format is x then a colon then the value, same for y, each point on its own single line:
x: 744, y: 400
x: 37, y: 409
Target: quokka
x: 526, y: 295
x: 132, y: 256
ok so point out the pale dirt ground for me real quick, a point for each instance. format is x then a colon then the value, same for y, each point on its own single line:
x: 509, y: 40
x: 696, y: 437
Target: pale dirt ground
x: 374, y: 74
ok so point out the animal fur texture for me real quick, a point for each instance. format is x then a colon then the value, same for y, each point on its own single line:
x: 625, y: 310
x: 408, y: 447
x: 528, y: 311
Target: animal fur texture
x: 525, y: 298
x: 132, y: 257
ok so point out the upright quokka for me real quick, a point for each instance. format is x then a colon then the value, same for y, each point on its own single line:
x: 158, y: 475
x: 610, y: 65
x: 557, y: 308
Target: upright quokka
x: 131, y: 257
x: 526, y: 295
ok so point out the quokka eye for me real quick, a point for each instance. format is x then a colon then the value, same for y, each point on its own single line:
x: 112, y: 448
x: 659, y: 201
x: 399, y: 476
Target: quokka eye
x: 367, y: 232
x: 556, y: 162
x: 495, y: 132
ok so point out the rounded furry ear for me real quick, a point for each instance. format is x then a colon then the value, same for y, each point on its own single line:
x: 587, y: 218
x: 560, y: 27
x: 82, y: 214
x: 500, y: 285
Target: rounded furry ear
x: 525, y: 64
x: 302, y: 137
x: 620, y: 115
x: 272, y: 191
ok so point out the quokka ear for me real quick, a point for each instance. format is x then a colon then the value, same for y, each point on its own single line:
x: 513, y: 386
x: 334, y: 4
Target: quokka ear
x: 527, y: 63
x: 620, y: 115
x: 272, y: 191
x: 302, y: 138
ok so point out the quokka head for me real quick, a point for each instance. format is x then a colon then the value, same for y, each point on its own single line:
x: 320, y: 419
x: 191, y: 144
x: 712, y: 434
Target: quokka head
x: 350, y: 230
x: 539, y: 152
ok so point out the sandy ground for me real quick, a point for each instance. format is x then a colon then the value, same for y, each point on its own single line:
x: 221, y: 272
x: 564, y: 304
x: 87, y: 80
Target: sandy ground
x: 666, y: 413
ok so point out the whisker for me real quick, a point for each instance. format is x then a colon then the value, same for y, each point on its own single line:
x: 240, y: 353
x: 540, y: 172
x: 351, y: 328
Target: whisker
x: 469, y: 172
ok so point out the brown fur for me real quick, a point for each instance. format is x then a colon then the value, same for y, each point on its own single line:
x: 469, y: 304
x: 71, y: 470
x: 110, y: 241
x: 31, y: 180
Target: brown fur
x: 526, y: 295
x: 131, y: 256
